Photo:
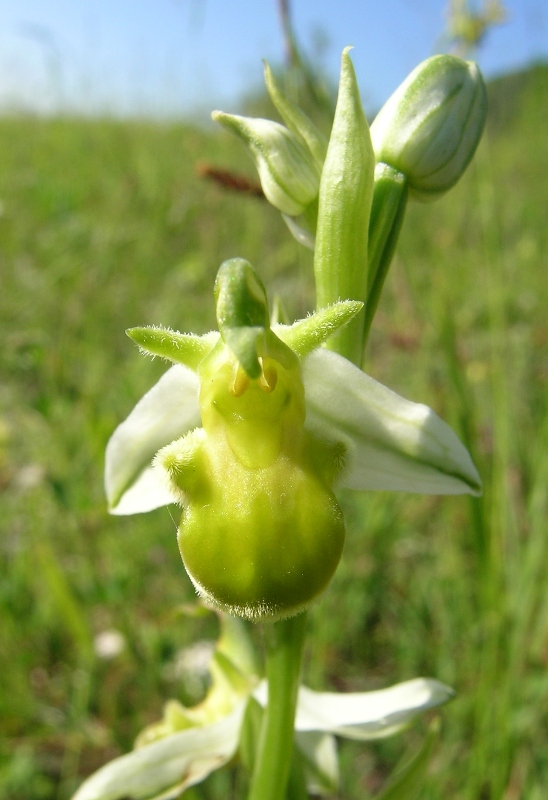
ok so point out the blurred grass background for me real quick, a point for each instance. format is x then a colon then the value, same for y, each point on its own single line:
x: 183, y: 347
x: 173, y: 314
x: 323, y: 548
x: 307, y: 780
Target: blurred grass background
x: 105, y: 225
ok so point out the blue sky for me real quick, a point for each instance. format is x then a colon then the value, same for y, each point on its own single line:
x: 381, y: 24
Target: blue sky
x: 181, y: 56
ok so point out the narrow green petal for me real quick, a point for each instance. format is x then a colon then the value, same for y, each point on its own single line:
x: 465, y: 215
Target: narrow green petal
x: 391, y: 443
x: 182, y: 348
x: 167, y: 767
x: 165, y: 413
x: 307, y: 334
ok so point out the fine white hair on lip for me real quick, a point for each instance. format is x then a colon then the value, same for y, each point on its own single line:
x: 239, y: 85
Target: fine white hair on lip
x: 254, y: 613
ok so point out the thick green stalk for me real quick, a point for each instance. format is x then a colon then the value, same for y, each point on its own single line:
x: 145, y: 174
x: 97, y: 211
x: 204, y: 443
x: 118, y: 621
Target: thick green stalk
x: 387, y: 213
x: 284, y: 646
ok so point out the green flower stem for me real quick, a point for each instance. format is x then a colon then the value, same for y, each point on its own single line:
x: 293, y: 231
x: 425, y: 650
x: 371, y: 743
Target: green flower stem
x: 388, y: 189
x: 387, y: 213
x: 284, y: 646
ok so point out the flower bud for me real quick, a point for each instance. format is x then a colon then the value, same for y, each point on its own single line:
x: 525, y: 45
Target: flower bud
x: 430, y: 127
x: 289, y: 175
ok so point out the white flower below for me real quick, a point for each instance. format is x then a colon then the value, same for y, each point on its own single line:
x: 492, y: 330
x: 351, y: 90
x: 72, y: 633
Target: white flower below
x: 163, y: 769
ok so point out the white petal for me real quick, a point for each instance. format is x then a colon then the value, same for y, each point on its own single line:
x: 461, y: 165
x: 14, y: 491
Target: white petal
x: 167, y: 767
x: 391, y: 442
x: 368, y: 715
x: 166, y: 412
x: 321, y: 763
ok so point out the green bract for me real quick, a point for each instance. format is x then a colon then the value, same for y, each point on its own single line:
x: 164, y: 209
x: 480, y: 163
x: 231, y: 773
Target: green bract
x: 253, y: 435
x: 430, y: 127
x: 346, y: 190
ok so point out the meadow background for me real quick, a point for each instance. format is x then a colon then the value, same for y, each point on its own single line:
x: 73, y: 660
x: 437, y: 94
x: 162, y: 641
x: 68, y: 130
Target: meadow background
x: 106, y: 225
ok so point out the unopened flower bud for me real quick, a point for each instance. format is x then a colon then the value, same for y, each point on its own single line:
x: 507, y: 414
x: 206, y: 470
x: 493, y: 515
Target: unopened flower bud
x: 430, y: 127
x: 289, y: 175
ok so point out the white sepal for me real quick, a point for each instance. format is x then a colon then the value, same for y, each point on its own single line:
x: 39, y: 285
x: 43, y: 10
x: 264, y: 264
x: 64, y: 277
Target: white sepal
x: 391, y: 443
x: 364, y: 715
x: 165, y: 413
x: 162, y: 770
x: 369, y: 715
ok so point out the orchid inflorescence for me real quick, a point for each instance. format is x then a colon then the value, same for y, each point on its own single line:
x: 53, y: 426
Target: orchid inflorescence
x: 256, y: 427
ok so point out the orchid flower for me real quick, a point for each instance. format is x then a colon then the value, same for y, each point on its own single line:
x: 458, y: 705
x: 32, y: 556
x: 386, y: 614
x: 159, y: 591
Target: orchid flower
x: 356, y: 434
x: 190, y: 743
x: 253, y: 432
x: 286, y: 423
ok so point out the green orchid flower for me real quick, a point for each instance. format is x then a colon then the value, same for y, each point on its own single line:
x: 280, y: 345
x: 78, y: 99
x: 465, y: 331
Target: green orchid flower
x: 253, y: 432
x: 190, y: 743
